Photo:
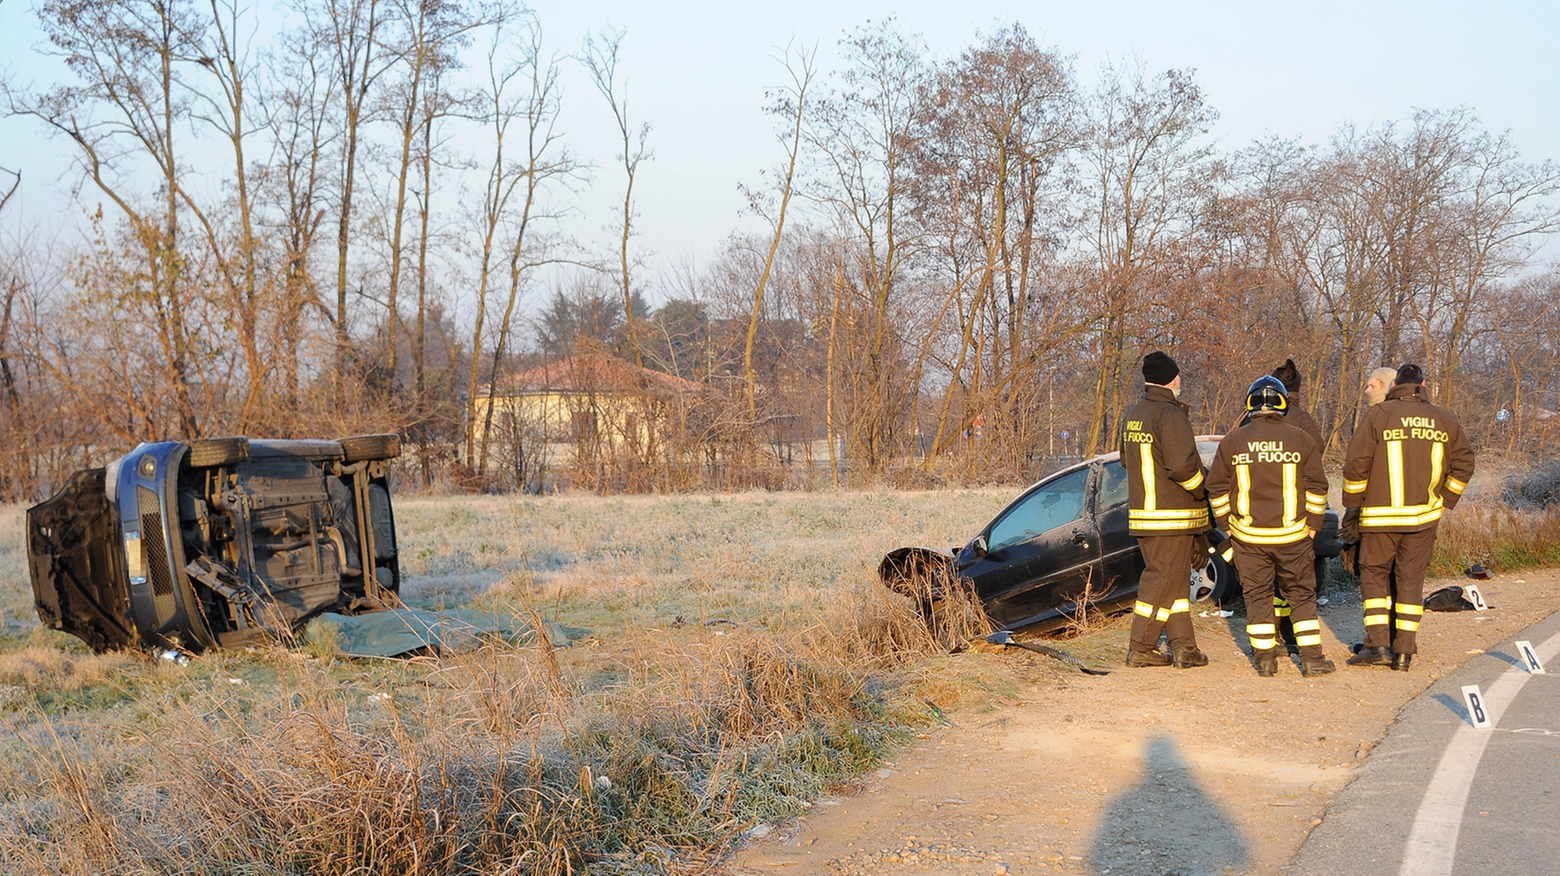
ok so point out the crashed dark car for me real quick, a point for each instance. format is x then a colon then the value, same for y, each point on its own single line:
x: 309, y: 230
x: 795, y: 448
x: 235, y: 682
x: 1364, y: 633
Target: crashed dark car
x: 1061, y: 546
x: 216, y: 542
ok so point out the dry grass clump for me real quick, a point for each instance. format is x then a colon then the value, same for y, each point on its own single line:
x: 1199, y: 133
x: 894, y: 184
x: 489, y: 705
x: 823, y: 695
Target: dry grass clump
x: 743, y: 661
x: 49, y: 667
x: 1498, y: 536
x: 1088, y: 618
x: 483, y: 763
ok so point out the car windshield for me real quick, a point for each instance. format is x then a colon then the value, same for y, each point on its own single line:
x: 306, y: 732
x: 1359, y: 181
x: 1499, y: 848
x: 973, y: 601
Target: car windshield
x: 1054, y: 504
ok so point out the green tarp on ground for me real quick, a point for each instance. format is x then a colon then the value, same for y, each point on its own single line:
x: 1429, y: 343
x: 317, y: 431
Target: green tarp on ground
x: 397, y: 631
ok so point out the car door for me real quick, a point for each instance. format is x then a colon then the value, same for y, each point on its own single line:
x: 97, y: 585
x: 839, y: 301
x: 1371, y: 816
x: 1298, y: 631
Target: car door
x: 1040, y: 551
x: 1121, y: 562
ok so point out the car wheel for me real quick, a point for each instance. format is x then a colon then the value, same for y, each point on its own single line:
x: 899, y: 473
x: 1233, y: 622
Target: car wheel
x: 1215, y: 580
x: 361, y: 447
x: 208, y: 452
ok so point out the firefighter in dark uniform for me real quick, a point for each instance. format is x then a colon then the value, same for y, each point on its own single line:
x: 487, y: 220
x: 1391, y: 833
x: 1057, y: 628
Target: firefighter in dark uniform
x: 1296, y: 415
x: 1377, y: 383
x: 1168, y: 511
x: 1268, y: 490
x: 1407, y: 463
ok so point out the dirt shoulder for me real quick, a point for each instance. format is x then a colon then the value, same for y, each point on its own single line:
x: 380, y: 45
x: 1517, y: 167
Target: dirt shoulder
x: 1143, y: 771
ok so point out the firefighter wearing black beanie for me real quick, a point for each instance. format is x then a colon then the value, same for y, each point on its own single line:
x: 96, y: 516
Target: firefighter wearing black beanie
x: 1168, y: 511
x: 1407, y: 464
x: 1296, y: 414
x: 1159, y: 369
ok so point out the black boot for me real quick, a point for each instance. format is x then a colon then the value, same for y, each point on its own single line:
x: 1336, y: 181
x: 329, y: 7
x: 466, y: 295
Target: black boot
x: 1147, y: 658
x: 1188, y: 657
x: 1310, y: 666
x: 1267, y: 662
x: 1401, y: 662
x: 1371, y: 657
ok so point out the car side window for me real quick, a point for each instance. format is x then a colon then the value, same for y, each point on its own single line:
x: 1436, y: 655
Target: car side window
x: 1058, y: 503
x: 1113, y: 485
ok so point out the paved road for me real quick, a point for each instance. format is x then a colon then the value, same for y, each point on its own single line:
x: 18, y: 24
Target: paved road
x: 1439, y: 797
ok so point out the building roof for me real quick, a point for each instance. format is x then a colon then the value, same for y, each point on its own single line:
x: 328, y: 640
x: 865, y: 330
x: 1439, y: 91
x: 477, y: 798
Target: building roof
x: 596, y: 373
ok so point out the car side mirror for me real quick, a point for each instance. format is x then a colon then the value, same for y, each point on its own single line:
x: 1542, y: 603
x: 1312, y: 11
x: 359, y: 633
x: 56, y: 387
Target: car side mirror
x: 979, y: 544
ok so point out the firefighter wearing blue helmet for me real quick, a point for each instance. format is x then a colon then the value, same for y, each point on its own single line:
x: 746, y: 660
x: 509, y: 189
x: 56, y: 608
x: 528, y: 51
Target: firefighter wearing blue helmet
x: 1268, y: 490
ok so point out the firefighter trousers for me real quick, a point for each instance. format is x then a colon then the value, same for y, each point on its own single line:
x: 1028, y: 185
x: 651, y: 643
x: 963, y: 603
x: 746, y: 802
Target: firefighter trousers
x: 1281, y: 607
x: 1266, y: 569
x: 1392, y: 583
x: 1164, y: 602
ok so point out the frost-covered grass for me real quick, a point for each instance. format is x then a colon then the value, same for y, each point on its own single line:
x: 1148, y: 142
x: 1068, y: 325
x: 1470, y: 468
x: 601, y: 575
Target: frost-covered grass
x: 741, y: 660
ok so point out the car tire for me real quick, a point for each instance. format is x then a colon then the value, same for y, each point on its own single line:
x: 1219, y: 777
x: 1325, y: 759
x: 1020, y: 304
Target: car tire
x: 370, y: 447
x: 208, y: 452
x: 1328, y: 542
x: 1220, y: 577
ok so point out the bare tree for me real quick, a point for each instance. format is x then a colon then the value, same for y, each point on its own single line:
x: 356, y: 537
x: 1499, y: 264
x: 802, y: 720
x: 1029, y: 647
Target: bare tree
x: 225, y: 58
x: 296, y: 108
x: 426, y: 43
x: 1490, y: 226
x: 600, y: 55
x: 864, y: 132
x: 1002, y: 116
x: 790, y: 103
x: 122, y: 117
x: 524, y: 90
x: 351, y: 31
x: 1143, y: 156
x: 16, y: 183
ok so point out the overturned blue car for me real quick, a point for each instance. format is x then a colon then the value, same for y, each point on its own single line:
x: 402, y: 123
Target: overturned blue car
x: 216, y: 542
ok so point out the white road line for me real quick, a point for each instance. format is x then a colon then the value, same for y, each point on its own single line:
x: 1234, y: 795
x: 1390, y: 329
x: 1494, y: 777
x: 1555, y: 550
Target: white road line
x: 1432, y: 842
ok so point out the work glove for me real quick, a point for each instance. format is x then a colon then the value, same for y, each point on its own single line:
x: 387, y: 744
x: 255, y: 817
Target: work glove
x: 1349, y: 527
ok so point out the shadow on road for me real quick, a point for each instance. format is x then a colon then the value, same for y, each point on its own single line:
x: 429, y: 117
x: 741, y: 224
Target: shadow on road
x: 1455, y: 706
x: 1508, y: 658
x: 1166, y: 825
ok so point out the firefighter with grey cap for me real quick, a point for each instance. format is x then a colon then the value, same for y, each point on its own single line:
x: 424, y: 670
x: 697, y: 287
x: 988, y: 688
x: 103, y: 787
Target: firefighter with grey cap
x: 1377, y: 384
x: 1268, y: 490
x: 1168, y: 511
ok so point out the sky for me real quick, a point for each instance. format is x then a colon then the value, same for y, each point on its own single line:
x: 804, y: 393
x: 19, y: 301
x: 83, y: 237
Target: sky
x: 697, y: 73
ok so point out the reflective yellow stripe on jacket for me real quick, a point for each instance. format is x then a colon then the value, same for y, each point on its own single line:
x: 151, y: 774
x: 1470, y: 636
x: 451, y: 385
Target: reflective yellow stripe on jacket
x: 1315, y: 503
x: 1151, y: 516
x: 1169, y: 519
x: 1408, y: 515
x: 1243, y: 524
x: 1400, y: 513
